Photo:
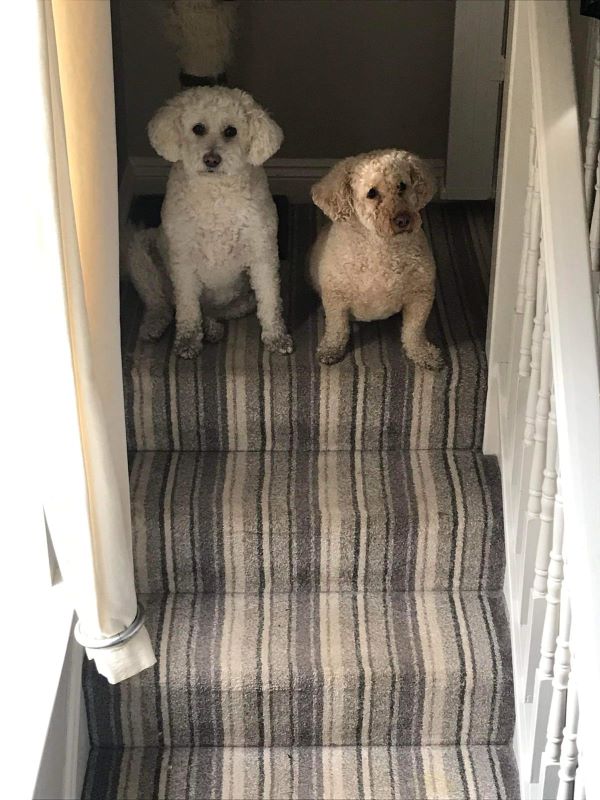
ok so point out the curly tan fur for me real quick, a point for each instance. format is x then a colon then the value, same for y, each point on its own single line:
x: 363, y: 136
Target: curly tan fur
x: 374, y: 260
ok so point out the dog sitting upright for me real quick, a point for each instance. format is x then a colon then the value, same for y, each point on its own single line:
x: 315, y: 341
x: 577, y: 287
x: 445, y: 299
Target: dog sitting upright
x: 215, y: 255
x: 374, y: 260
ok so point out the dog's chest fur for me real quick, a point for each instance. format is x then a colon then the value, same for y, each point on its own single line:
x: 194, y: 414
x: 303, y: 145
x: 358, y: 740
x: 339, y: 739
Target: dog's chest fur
x: 218, y: 222
x: 374, y: 276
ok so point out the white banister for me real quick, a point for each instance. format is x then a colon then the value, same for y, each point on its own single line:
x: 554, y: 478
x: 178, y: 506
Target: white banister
x: 568, y: 751
x: 539, y: 591
x: 544, y: 400
x: 558, y: 705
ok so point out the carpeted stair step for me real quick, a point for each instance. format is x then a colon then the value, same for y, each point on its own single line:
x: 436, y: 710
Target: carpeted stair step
x: 305, y: 668
x: 336, y: 521
x: 303, y: 773
x: 237, y: 396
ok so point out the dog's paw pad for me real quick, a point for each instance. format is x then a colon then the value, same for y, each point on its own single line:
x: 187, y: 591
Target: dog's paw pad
x: 281, y: 343
x: 188, y: 346
x: 154, y: 324
x: 213, y: 330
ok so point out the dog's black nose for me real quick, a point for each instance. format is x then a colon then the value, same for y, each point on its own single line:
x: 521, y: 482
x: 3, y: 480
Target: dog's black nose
x: 212, y: 160
x: 402, y: 221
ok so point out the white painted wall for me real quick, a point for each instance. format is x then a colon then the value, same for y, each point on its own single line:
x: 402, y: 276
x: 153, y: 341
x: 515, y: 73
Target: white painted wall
x: 64, y: 760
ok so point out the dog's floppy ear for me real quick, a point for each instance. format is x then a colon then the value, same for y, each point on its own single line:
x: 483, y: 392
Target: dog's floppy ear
x: 264, y: 134
x: 164, y: 131
x: 422, y: 179
x: 333, y: 193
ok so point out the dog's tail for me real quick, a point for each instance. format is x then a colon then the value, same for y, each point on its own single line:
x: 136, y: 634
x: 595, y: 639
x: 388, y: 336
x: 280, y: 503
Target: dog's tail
x: 142, y: 260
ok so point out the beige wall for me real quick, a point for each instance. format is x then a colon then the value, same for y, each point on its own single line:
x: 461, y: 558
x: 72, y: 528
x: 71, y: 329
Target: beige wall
x: 340, y: 76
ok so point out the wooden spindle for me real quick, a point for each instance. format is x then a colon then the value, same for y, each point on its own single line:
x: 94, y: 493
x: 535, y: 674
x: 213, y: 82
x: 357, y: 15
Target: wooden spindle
x: 537, y: 550
x: 554, y: 586
x: 568, y: 753
x: 558, y: 704
x: 545, y: 671
x: 593, y: 129
x: 527, y: 494
x: 520, y: 303
x: 531, y: 276
x: 520, y: 354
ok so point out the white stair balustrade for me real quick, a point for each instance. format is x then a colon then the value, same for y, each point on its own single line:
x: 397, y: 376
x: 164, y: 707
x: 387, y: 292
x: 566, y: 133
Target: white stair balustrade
x: 558, y: 704
x: 521, y: 381
x: 543, y: 414
x: 530, y: 474
x: 537, y: 593
x: 545, y: 670
x: 568, y: 751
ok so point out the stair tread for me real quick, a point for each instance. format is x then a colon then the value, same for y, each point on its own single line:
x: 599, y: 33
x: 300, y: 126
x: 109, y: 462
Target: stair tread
x: 206, y: 522
x: 304, y: 773
x: 314, y: 668
x: 237, y: 396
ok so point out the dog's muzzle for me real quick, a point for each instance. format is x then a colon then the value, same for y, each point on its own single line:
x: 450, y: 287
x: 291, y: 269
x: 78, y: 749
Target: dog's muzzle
x: 405, y: 222
x: 211, y: 161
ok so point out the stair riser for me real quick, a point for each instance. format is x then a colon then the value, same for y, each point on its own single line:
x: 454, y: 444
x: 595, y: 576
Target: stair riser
x: 304, y: 774
x: 248, y: 522
x: 281, y: 670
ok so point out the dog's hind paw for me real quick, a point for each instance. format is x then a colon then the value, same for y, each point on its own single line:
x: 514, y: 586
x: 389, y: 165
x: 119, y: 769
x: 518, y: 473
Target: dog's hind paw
x: 278, y: 343
x: 188, y: 345
x: 155, y: 323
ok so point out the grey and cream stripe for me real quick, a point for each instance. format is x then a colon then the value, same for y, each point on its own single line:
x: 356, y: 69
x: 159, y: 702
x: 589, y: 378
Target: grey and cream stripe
x: 436, y: 525
x: 320, y: 553
x: 371, y: 651
x: 237, y: 396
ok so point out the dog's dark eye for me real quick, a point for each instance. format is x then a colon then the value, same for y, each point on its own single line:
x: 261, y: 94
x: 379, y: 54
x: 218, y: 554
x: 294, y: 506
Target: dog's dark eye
x: 230, y: 132
x: 372, y: 193
x: 199, y: 129
x: 401, y: 187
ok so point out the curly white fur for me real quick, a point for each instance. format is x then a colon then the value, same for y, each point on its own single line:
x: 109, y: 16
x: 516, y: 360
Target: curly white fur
x: 202, y: 33
x: 374, y: 260
x: 215, y: 255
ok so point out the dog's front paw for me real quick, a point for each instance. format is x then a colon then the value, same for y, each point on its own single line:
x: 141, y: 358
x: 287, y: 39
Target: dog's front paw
x: 213, y: 330
x: 328, y: 354
x: 188, y: 345
x: 278, y: 342
x: 155, y: 323
x: 428, y: 356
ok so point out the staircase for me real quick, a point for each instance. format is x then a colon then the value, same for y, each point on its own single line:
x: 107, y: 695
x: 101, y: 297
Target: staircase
x: 320, y: 554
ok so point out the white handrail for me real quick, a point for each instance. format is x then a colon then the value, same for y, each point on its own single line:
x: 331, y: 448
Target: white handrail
x: 574, y: 342
x: 540, y: 106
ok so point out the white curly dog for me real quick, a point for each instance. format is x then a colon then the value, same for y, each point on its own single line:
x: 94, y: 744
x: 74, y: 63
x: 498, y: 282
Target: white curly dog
x: 374, y: 260
x: 215, y: 255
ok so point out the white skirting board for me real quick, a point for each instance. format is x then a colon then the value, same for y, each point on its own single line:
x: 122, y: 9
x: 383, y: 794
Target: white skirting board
x: 292, y: 177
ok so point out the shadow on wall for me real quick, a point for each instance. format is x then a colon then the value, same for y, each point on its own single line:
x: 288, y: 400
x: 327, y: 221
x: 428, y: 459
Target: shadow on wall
x: 340, y: 77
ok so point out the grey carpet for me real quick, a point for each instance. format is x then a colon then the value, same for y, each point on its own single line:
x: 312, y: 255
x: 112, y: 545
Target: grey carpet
x: 320, y: 552
x: 298, y: 773
x: 244, y: 522
x: 237, y: 396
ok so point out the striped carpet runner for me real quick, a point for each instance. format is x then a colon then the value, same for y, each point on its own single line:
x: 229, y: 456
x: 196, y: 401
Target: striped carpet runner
x: 320, y: 554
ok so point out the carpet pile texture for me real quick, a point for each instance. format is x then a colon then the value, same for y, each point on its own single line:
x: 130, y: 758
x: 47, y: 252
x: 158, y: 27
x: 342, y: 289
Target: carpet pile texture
x: 320, y: 554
